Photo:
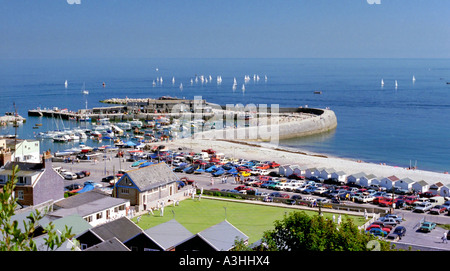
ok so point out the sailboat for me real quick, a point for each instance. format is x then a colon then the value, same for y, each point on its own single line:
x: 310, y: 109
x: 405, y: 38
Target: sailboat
x: 173, y: 80
x: 382, y: 82
x: 181, y: 86
x: 413, y: 79
x: 84, y: 89
x: 243, y: 87
x: 396, y: 84
x: 65, y: 84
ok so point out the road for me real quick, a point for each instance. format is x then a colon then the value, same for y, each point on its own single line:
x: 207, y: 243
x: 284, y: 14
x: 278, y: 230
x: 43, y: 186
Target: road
x: 423, y: 241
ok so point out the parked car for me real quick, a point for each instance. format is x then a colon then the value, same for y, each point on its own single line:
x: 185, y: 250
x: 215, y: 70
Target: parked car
x: 108, y: 179
x: 73, y: 186
x: 397, y: 233
x: 69, y: 175
x: 364, y: 198
x: 378, y: 232
x: 438, y: 209
x: 320, y: 191
x: 80, y: 175
x: 423, y: 207
x: 397, y: 218
x: 388, y: 221
x: 427, y: 226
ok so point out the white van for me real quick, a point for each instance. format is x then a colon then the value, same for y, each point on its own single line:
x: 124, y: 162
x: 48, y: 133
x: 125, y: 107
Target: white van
x: 437, y: 200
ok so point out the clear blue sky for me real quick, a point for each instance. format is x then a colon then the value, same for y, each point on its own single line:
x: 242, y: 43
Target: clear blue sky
x: 229, y: 28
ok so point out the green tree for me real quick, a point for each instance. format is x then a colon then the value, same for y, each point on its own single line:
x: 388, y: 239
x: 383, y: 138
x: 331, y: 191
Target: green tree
x: 301, y: 232
x: 15, y: 239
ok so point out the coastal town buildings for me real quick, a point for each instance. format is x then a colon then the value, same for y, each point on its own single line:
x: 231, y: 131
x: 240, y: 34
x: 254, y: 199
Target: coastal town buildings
x: 147, y: 186
x: 95, y: 206
x: 37, y: 182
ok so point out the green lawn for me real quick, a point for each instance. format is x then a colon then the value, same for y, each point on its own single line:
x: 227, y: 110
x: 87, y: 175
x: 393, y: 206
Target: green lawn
x: 197, y: 215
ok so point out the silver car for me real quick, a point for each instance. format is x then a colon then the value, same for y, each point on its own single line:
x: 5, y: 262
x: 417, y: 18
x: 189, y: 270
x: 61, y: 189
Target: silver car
x: 423, y: 207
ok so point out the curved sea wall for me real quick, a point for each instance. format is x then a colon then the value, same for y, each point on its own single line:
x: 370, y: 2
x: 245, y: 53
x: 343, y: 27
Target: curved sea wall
x: 298, y: 123
x: 324, y: 120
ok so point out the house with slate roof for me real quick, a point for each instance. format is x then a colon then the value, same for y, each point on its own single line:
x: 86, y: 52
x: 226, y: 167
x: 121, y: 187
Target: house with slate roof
x: 95, y: 206
x: 220, y: 237
x: 169, y: 234
x: 112, y: 244
x: 145, y: 186
x: 36, y: 182
x: 355, y: 179
x: 122, y: 229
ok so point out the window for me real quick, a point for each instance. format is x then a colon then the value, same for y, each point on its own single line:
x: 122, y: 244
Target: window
x: 99, y: 215
x: 88, y: 218
x: 20, y: 194
x: 125, y: 191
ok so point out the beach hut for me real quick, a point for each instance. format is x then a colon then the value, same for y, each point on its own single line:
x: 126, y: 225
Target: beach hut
x: 313, y: 172
x: 436, y: 188
x: 367, y: 180
x: 420, y: 186
x: 445, y: 190
x: 290, y: 170
x: 300, y: 170
x: 389, y: 182
x: 341, y: 176
x: 326, y: 173
x: 354, y: 179
x: 405, y: 184
x: 282, y: 169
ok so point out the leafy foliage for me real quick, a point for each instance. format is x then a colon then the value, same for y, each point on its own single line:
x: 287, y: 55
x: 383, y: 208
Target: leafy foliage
x: 15, y: 239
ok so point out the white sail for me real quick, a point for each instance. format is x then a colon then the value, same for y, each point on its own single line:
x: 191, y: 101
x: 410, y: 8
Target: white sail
x: 65, y: 84
x: 396, y: 84
x: 414, y: 79
x: 382, y: 82
x: 181, y: 86
x: 243, y: 87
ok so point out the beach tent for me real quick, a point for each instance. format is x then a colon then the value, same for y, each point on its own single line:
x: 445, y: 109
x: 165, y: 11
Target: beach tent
x: 130, y: 144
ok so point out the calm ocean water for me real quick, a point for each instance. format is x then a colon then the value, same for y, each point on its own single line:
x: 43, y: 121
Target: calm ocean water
x: 376, y: 124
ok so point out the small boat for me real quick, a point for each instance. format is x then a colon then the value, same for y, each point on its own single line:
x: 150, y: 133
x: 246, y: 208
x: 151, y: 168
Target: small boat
x: 84, y: 91
x: 382, y: 82
x: 396, y: 84
x: 317, y: 92
x: 414, y: 79
x: 243, y: 87
x: 181, y: 86
x: 65, y: 84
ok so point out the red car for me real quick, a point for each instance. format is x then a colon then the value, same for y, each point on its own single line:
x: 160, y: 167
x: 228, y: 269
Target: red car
x: 438, y: 209
x: 209, y: 151
x: 385, y: 202
x: 384, y: 228
x: 411, y: 199
x: 239, y: 188
x: 273, y: 164
x: 264, y: 166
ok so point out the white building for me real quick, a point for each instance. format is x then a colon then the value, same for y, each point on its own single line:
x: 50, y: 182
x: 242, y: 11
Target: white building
x: 354, y: 179
x: 368, y: 180
x: 420, y: 186
x: 389, y: 182
x: 405, y: 183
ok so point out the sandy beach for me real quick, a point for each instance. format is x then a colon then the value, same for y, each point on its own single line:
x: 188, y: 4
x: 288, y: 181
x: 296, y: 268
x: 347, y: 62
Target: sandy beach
x: 266, y: 152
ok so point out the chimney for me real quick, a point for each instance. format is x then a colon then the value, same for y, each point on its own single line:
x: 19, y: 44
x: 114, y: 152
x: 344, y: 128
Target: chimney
x: 47, y: 159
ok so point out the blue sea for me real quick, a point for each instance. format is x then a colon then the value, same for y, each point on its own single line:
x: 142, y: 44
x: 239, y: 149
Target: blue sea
x: 407, y: 125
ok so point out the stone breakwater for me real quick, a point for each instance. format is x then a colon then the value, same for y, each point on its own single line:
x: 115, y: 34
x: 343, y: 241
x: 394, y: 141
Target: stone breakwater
x: 303, y: 122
